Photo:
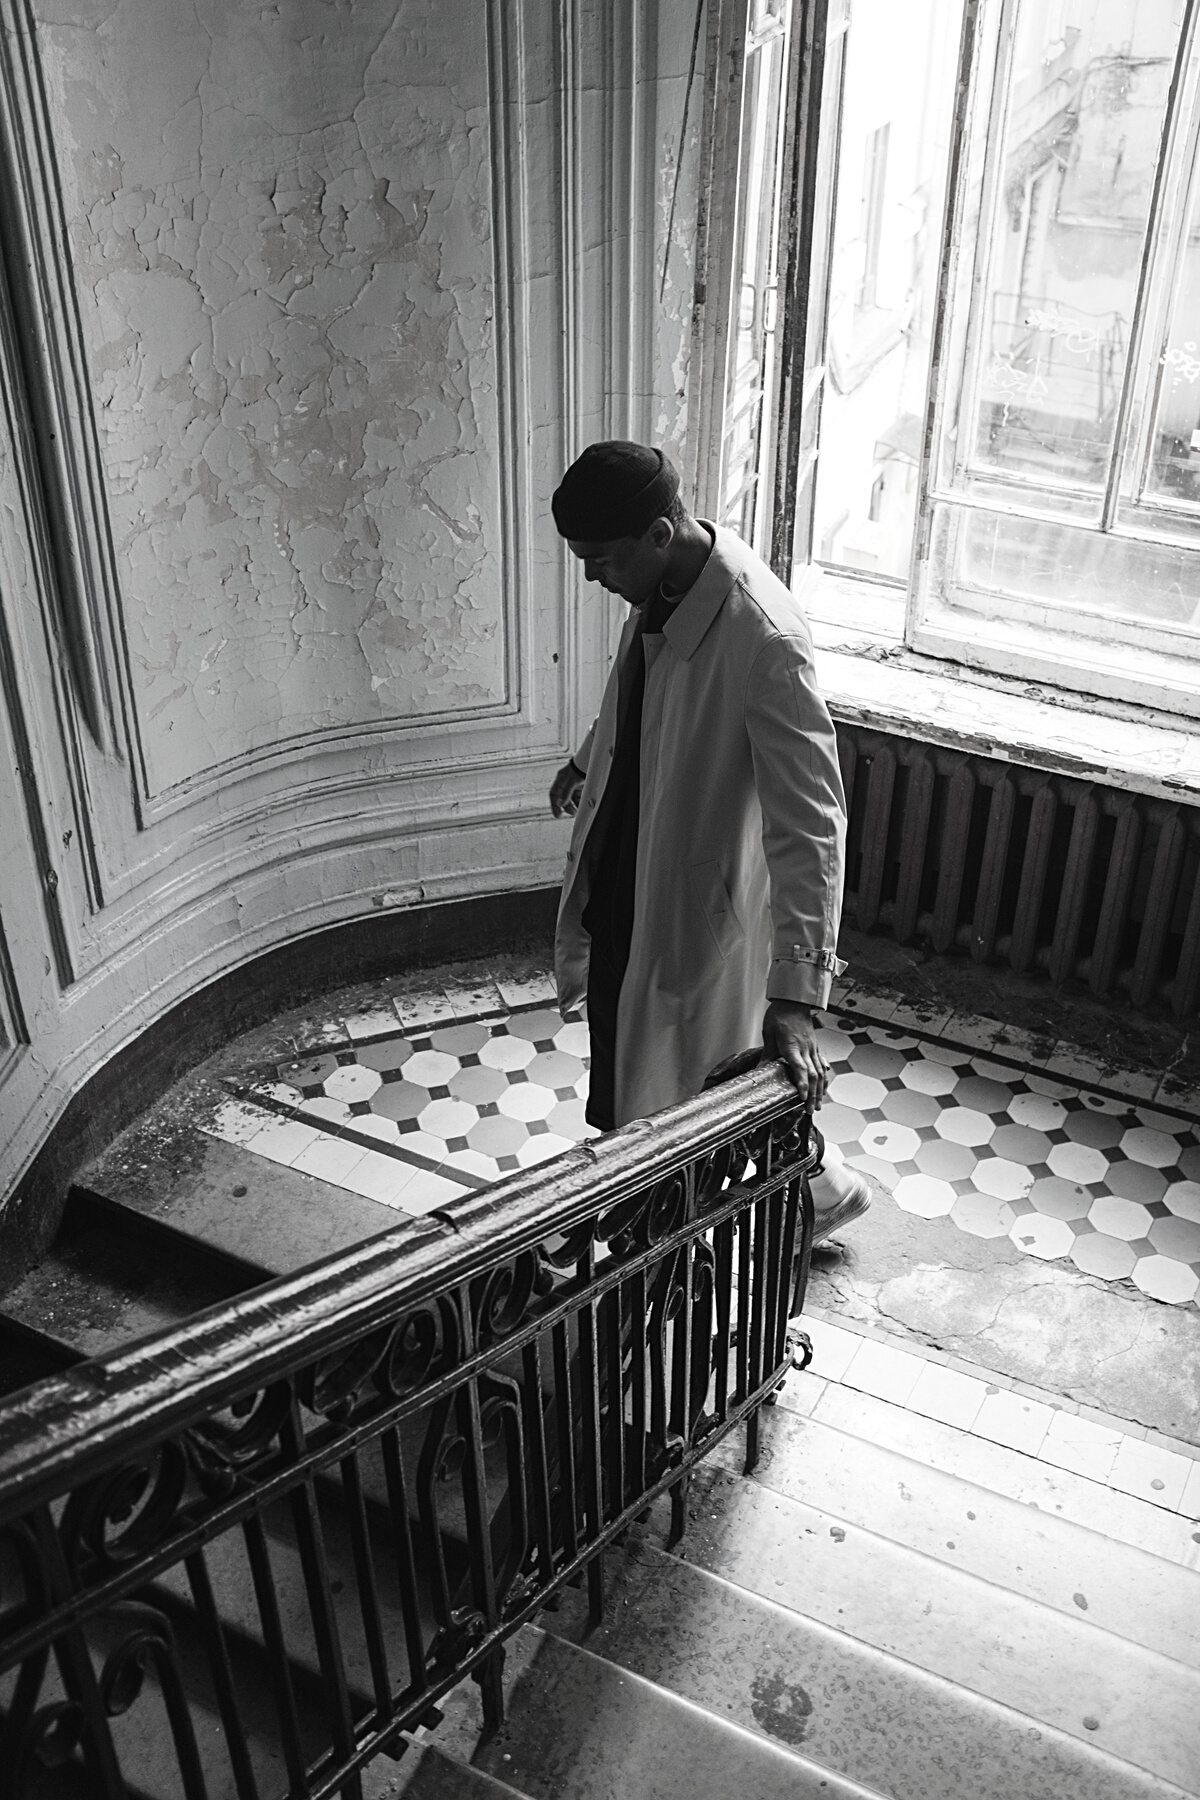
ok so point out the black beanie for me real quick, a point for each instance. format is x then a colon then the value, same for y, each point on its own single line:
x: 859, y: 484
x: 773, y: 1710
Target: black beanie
x: 614, y: 490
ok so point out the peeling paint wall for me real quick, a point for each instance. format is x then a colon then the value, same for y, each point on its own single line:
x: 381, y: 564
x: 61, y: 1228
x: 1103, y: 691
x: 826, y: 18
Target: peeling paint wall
x: 341, y: 285
x: 282, y: 230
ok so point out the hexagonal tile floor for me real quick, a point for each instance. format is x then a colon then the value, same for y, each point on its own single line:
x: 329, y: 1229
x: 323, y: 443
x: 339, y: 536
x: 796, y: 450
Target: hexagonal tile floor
x: 1063, y: 1171
x: 413, y: 1117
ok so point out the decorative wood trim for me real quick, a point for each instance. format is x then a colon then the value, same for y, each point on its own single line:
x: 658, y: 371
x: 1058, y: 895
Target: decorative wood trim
x: 61, y: 421
x: 35, y: 818
x: 12, y: 1015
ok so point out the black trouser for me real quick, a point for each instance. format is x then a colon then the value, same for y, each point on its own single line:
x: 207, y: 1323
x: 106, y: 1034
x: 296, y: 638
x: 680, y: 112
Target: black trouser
x: 604, y: 990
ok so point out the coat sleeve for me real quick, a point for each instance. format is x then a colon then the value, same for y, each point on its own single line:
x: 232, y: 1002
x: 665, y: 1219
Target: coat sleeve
x: 799, y: 784
x: 582, y: 756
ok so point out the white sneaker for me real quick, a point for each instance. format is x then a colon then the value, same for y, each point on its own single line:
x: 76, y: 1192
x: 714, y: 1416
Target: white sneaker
x: 839, y: 1193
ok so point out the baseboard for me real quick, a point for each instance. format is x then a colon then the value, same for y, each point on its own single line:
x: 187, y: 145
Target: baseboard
x: 142, y: 1070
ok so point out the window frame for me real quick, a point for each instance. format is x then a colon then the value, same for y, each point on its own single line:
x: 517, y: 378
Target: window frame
x: 1091, y: 652
x: 1116, y: 658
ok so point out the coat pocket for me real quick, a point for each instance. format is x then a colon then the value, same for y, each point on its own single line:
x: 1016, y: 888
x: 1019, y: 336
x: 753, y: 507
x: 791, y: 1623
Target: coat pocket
x: 713, y: 896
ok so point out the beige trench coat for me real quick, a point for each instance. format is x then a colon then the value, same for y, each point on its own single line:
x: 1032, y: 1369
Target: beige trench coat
x: 741, y: 834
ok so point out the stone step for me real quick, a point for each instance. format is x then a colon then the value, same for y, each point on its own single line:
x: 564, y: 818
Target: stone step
x: 581, y: 1728
x: 246, y: 1204
x: 114, y: 1275
x: 1141, y: 1707
x: 427, y: 1773
x: 1073, y: 1569
x: 816, y: 1689
x: 1122, y: 1517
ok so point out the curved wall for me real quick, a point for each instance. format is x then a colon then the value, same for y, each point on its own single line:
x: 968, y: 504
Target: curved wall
x: 308, y: 307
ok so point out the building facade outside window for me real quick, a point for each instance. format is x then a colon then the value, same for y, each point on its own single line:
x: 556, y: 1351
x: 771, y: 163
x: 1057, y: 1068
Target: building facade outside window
x: 1001, y: 392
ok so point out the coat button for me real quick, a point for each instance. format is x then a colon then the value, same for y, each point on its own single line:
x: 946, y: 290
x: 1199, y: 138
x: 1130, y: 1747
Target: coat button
x: 591, y: 802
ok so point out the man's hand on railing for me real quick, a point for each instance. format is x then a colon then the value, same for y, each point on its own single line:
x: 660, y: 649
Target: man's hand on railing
x: 789, y: 1036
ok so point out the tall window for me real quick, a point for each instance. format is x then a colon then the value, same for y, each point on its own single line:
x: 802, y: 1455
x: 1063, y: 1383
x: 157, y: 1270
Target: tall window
x: 1002, y: 350
x: 746, y: 463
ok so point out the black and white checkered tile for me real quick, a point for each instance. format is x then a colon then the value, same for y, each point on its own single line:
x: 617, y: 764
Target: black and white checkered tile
x: 411, y: 1114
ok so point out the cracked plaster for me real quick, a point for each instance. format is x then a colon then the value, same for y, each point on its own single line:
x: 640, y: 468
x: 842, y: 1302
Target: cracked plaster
x: 280, y: 220
x: 1096, y: 1343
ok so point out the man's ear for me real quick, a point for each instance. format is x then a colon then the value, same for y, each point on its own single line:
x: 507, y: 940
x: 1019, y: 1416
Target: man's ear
x: 660, y: 532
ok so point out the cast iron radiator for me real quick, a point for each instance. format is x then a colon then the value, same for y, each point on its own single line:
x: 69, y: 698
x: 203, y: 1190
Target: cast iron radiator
x: 1017, y: 865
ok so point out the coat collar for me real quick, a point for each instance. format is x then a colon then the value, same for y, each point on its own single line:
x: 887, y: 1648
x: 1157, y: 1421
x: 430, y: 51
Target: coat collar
x: 691, y: 618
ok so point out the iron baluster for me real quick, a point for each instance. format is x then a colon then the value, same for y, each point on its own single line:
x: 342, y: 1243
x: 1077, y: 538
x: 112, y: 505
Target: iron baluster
x: 279, y: 1672
x: 405, y: 1561
x: 368, y: 1597
x: 742, y: 1326
x: 151, y: 1641
x: 217, y: 1652
x: 535, y: 1437
x: 565, y: 1435
x: 777, y: 1283
x: 614, y: 1398
x: 589, y: 1407
x: 723, y: 1280
x: 636, y: 1475
x: 479, y: 1536
x: 307, y: 1524
x: 75, y: 1667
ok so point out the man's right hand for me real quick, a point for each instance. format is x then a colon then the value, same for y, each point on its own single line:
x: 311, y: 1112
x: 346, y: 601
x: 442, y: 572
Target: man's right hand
x: 565, y: 790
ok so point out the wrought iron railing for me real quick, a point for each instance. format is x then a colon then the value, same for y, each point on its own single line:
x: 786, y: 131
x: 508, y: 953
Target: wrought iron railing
x: 246, y: 1556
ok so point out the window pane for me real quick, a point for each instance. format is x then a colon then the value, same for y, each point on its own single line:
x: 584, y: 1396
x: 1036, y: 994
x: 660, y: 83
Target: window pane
x: 896, y: 118
x: 1175, y: 469
x: 752, y: 337
x: 1033, y: 568
x: 1082, y: 114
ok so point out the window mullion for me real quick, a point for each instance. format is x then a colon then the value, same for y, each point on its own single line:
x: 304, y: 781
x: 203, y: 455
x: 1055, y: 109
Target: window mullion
x: 940, y: 359
x: 817, y: 50
x: 1151, y: 249
x: 995, y: 101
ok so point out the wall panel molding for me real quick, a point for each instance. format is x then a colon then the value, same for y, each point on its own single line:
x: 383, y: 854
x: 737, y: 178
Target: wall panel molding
x: 53, y: 365
x: 366, y: 819
x: 62, y: 415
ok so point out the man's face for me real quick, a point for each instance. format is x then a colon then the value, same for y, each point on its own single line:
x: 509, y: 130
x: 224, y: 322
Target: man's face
x: 629, y: 566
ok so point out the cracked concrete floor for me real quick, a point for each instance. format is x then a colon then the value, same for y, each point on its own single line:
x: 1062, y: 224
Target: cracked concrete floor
x: 1098, y: 1341
x: 982, y: 1299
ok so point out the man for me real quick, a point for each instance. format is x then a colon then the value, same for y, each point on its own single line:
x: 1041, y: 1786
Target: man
x: 701, y: 899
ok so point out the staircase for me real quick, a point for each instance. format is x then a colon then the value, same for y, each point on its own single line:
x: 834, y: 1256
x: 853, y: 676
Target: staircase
x: 864, y: 1616
x: 853, y: 1621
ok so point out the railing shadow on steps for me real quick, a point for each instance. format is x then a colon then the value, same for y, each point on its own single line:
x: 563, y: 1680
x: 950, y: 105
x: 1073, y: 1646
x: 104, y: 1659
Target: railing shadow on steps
x: 249, y: 1554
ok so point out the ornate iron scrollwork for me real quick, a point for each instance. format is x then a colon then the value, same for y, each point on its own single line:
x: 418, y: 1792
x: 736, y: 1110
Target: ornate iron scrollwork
x: 149, y: 1644
x: 232, y: 1441
x: 418, y: 1488
x: 52, y: 1738
x: 122, y: 1515
x: 501, y: 1299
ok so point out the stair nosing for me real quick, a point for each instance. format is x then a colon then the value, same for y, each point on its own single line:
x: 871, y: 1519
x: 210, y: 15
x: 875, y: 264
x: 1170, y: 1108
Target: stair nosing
x: 1048, y: 1469
x: 835, y: 1634
x: 994, y: 1493
x: 853, y: 1788
x: 430, y: 1747
x: 1076, y: 1622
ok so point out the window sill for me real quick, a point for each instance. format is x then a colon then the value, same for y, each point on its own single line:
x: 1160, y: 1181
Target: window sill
x: 869, y: 678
